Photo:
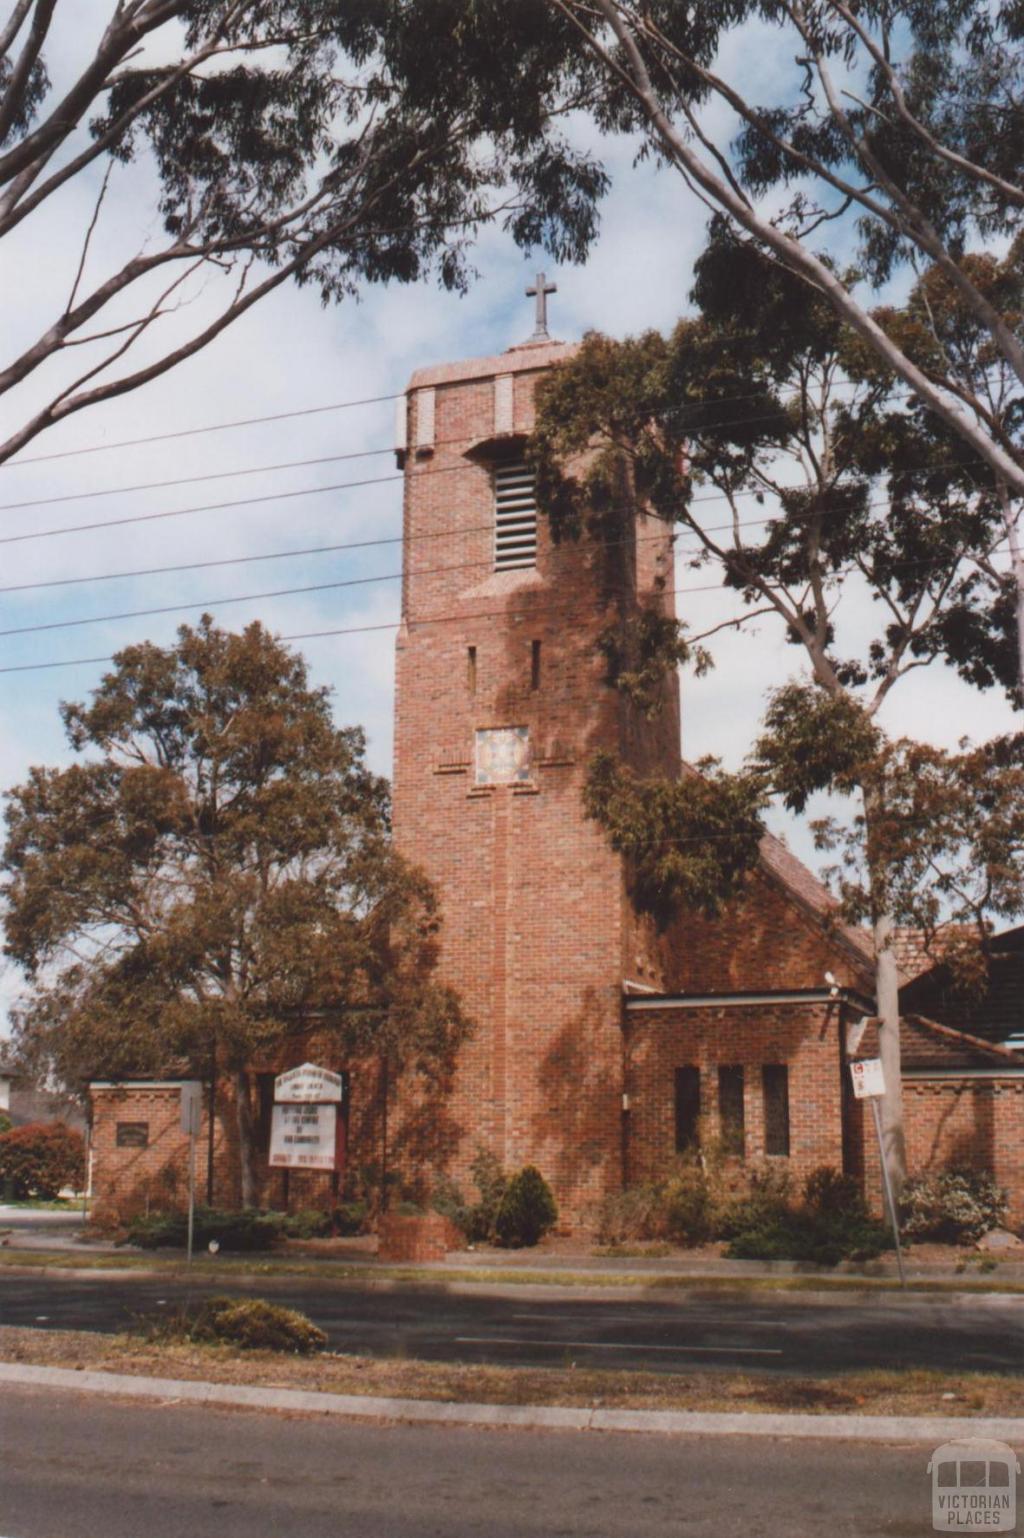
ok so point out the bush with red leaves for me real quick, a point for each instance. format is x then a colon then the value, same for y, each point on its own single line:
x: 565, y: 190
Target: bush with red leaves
x: 42, y: 1158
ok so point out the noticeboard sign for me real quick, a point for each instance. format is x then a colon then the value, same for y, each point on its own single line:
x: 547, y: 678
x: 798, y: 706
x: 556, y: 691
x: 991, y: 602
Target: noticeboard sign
x: 300, y: 1086
x: 868, y: 1078
x: 302, y: 1136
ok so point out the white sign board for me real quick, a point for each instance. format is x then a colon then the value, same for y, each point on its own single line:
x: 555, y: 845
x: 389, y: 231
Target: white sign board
x: 302, y: 1137
x: 191, y: 1107
x: 309, y: 1083
x: 868, y: 1079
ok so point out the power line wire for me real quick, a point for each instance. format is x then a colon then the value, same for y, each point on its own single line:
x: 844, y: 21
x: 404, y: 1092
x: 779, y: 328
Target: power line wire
x: 357, y: 581
x: 326, y: 459
x: 280, y: 416
x: 283, y: 496
x: 191, y: 432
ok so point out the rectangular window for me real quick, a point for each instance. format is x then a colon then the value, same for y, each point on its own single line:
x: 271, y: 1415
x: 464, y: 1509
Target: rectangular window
x: 687, y: 1108
x: 775, y: 1088
x: 731, y: 1119
x: 471, y: 669
x: 534, y: 664
x: 515, y: 518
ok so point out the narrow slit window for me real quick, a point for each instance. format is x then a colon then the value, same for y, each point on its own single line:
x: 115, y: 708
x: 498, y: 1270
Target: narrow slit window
x: 515, y: 518
x: 534, y: 664
x: 687, y: 1108
x: 775, y: 1086
x: 471, y: 669
x: 731, y: 1119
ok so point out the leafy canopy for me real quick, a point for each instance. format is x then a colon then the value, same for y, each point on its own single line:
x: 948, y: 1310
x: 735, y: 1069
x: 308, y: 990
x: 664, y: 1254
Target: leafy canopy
x: 215, y: 873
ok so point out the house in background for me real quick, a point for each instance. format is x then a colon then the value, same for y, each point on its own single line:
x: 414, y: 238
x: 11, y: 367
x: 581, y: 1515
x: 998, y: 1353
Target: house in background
x: 24, y: 1101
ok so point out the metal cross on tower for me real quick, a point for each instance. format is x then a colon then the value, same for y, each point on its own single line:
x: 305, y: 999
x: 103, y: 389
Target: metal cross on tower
x: 540, y: 290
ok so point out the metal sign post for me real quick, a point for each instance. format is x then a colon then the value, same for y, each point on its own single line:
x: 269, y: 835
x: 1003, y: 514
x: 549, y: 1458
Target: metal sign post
x: 869, y: 1084
x: 191, y: 1117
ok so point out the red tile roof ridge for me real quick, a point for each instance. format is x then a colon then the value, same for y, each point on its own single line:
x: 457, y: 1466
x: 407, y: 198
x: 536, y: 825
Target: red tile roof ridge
x: 977, y: 1042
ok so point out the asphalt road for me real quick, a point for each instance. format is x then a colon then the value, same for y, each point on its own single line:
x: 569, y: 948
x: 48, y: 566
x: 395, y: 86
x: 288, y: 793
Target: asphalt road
x: 74, y: 1467
x: 547, y: 1326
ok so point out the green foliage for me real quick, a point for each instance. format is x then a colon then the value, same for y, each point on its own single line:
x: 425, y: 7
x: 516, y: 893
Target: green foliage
x: 309, y: 1223
x: 642, y: 653
x: 815, y: 741
x: 5, y: 1123
x: 335, y: 145
x: 691, y: 843
x: 952, y: 1206
x: 351, y: 1217
x: 940, y: 840
x: 830, y: 1224
x: 526, y: 1212
x: 477, y: 1219
x: 41, y: 1158
x: 248, y: 1324
x: 217, y: 798
x: 246, y: 1230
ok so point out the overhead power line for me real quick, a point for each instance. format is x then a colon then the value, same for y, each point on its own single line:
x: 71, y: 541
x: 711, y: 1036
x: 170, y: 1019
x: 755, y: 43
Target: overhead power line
x: 695, y: 549
x: 312, y: 491
x: 305, y: 411
x: 193, y: 432
x: 710, y: 587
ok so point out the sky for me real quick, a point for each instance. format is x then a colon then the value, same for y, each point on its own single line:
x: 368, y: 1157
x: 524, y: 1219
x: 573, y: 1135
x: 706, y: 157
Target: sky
x: 289, y: 355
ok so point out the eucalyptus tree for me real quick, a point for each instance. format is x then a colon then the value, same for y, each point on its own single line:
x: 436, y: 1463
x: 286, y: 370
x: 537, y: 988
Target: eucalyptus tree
x: 796, y: 473
x: 330, y: 144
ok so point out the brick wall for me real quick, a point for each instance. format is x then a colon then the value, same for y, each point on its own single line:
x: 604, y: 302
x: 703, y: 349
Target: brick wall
x: 977, y: 1123
x: 804, y: 1037
x: 538, y: 931
x: 765, y: 940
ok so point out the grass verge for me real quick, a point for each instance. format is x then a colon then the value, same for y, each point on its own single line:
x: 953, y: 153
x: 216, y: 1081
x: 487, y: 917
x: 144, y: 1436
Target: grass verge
x: 914, y: 1392
x: 162, y: 1264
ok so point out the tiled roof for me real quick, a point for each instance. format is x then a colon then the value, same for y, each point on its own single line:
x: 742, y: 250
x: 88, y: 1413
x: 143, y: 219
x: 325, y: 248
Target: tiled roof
x: 916, y: 952
x: 813, y: 895
x: 996, y: 1014
x: 926, y: 1044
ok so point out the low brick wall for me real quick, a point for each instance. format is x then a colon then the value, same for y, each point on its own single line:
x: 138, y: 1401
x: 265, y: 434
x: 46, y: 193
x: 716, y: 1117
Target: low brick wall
x: 417, y: 1238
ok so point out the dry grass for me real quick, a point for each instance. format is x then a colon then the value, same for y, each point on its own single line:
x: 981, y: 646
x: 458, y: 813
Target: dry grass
x: 366, y: 1274
x: 914, y: 1392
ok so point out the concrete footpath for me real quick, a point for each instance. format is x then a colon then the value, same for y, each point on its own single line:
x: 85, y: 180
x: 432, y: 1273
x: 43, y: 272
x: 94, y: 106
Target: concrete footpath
x: 859, y: 1428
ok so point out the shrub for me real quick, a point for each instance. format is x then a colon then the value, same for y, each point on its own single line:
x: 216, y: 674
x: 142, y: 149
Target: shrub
x: 491, y: 1182
x: 41, y: 1158
x: 954, y: 1206
x: 351, y: 1218
x: 831, y: 1223
x: 638, y: 1212
x: 5, y: 1123
x: 447, y: 1199
x: 689, y: 1206
x: 527, y: 1210
x: 476, y: 1220
x: 246, y: 1230
x: 251, y: 1324
x: 309, y: 1223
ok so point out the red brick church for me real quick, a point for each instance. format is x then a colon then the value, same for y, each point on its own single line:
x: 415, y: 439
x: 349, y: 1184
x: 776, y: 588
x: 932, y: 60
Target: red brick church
x: 600, y: 1042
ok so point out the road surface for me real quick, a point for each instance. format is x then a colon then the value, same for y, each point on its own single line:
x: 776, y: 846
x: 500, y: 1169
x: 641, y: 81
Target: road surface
x: 549, y: 1326
x: 75, y: 1467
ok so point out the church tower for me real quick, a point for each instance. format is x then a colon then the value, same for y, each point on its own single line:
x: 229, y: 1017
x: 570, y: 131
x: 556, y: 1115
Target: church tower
x: 502, y: 699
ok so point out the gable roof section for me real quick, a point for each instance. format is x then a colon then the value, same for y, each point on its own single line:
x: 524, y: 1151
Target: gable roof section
x: 996, y: 1014
x: 814, y: 897
x: 928, y: 1046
